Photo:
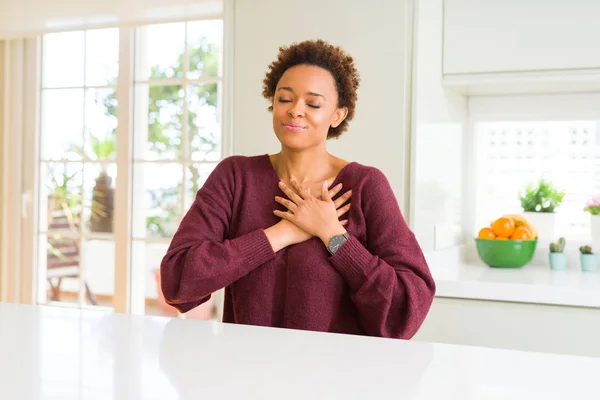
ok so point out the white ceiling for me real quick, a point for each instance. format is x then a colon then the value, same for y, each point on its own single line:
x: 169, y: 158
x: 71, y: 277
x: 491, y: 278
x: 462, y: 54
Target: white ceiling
x: 24, y: 18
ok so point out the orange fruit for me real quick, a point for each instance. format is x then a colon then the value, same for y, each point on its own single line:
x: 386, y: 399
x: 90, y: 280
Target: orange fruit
x: 486, y: 233
x: 501, y: 238
x: 503, y: 226
x: 521, y: 233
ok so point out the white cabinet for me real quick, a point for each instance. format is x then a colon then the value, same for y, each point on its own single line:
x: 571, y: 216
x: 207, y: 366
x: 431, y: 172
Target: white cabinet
x: 515, y: 326
x: 561, y: 37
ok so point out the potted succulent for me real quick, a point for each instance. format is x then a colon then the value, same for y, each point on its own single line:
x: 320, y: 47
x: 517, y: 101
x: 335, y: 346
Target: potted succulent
x: 593, y: 207
x: 557, y: 256
x: 539, y: 202
x: 587, y: 258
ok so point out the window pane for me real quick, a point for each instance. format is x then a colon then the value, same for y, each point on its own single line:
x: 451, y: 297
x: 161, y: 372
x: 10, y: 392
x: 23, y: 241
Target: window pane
x: 159, y: 51
x: 100, y: 124
x: 59, y: 268
x: 157, y: 199
x: 158, y: 122
x: 195, y: 176
x: 67, y: 259
x: 102, y: 57
x: 99, y: 189
x: 60, y: 197
x: 204, y: 122
x: 63, y: 59
x: 204, y: 43
x: 149, y: 255
x: 62, y: 124
x: 98, y: 263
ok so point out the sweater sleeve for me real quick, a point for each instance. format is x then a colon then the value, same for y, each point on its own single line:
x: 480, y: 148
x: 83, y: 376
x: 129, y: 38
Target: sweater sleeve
x: 389, y: 279
x: 200, y: 260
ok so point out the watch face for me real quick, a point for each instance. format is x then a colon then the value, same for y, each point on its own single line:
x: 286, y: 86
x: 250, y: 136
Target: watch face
x: 335, y: 242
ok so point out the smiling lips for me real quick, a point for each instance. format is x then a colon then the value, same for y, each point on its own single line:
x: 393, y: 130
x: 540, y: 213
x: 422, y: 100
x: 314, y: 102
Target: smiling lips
x: 293, y: 127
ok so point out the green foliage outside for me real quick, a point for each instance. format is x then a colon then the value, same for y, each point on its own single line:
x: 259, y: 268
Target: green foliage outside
x: 165, y: 125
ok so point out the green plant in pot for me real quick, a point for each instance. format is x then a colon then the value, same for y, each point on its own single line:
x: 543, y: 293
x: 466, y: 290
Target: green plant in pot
x: 557, y: 256
x: 539, y: 202
x: 100, y: 148
x: 587, y: 259
x: 103, y: 193
x: 593, y: 208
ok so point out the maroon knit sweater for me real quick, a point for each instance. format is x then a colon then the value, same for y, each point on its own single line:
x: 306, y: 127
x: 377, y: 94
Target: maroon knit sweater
x: 378, y: 283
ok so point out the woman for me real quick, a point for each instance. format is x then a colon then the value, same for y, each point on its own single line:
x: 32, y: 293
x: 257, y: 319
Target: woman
x: 267, y: 228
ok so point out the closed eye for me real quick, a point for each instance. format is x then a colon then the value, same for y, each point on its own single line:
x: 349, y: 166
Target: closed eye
x: 289, y: 101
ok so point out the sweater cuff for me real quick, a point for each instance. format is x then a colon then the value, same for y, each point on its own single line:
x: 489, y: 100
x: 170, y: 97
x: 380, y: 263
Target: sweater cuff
x: 353, y: 262
x: 255, y: 248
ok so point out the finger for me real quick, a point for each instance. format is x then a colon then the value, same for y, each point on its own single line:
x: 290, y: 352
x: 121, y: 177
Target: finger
x: 290, y: 193
x: 284, y: 215
x: 302, y: 191
x: 343, y: 210
x: 325, y: 192
x: 290, y: 205
x: 336, y: 189
x: 342, y: 199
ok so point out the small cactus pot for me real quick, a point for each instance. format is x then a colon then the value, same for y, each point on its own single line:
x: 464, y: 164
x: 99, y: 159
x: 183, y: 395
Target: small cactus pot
x: 558, y: 261
x: 588, y: 262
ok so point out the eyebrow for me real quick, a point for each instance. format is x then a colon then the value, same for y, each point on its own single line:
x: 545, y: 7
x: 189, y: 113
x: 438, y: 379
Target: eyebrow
x: 289, y: 89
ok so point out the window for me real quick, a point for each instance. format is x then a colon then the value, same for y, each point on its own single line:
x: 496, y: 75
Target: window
x: 77, y: 165
x: 510, y: 154
x: 176, y: 142
x: 176, y: 131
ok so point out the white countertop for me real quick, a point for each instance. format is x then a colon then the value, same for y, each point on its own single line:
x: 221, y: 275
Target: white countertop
x: 531, y: 284
x: 57, y: 353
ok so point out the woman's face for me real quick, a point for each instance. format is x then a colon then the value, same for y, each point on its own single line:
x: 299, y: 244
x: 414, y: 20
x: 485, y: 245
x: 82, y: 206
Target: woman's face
x: 305, y: 106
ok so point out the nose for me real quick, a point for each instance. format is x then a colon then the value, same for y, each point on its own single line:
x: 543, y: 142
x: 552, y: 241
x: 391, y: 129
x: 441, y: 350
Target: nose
x: 296, y: 111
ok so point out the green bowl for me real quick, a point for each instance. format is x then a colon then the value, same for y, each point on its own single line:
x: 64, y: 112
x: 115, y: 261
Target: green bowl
x: 505, y: 253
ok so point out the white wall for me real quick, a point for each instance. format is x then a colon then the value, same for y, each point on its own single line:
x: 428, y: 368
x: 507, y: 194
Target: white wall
x: 439, y: 126
x: 375, y: 33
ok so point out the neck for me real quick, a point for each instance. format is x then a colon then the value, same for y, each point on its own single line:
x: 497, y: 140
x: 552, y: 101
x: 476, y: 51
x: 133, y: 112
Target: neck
x: 304, y: 166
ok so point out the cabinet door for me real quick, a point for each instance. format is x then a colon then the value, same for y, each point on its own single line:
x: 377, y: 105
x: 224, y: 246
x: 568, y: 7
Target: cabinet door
x: 491, y: 36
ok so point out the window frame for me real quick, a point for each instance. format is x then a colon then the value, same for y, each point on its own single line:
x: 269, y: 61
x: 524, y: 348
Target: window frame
x: 128, y: 296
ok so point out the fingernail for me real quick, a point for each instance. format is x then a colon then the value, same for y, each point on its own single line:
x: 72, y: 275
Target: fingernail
x: 281, y: 183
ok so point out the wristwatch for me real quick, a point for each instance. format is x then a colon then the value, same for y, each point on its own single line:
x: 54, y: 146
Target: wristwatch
x: 336, y: 242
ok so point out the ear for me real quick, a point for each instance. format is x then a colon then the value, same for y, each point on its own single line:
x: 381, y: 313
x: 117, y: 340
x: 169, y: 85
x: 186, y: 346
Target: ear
x: 338, y: 116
